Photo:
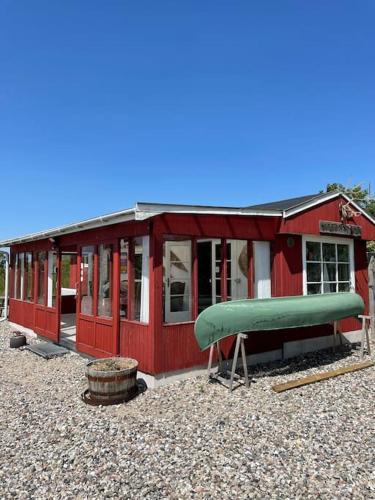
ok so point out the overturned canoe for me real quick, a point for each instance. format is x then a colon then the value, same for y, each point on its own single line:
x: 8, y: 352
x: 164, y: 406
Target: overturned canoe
x: 229, y: 318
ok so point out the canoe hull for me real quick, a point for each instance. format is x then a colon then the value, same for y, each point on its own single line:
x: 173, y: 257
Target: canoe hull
x: 229, y: 318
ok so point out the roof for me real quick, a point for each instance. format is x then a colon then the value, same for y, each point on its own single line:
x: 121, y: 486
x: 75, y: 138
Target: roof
x: 288, y: 203
x: 145, y: 210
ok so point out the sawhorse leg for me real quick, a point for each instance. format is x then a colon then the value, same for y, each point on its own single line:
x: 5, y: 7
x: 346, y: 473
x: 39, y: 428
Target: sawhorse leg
x: 210, y: 359
x: 365, y: 337
x: 239, y: 343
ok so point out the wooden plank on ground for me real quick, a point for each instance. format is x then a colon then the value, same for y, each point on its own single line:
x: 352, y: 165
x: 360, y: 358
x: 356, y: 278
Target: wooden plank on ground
x: 317, y: 377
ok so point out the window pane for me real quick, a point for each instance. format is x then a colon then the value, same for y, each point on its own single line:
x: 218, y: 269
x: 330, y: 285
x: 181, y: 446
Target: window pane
x: 15, y: 287
x: 141, y: 279
x: 177, y: 279
x: 329, y: 288
x: 343, y: 253
x: 137, y: 300
x: 179, y: 304
x: 313, y: 272
x: 21, y: 264
x: 229, y: 270
x: 29, y: 276
x: 229, y: 251
x: 344, y: 272
x: 41, y: 275
x: 313, y: 251
x: 138, y: 251
x: 52, y: 279
x: 105, y: 281
x: 313, y: 289
x: 204, y: 250
x: 329, y: 252
x: 344, y: 287
x: 229, y: 289
x: 87, y: 280
x: 124, y: 285
x: 329, y: 272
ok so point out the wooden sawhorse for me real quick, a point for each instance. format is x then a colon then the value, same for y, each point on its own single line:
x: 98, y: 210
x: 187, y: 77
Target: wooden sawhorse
x: 222, y: 375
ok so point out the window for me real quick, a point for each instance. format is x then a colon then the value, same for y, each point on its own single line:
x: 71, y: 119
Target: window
x: 209, y: 273
x: 177, y: 281
x: 52, y: 279
x: 209, y: 254
x: 124, y: 284
x: 17, y: 292
x: 29, y: 282
x: 328, y: 266
x: 105, y: 281
x: 237, y: 269
x: 141, y: 279
x: 42, y: 257
x: 87, y: 280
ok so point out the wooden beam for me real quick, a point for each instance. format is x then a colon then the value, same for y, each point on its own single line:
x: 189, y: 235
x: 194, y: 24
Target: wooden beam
x: 318, y: 377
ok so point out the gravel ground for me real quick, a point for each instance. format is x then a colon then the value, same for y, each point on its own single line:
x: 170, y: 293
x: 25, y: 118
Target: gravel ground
x: 191, y: 439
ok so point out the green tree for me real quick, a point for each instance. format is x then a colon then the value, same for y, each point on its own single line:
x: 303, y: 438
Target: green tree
x: 361, y: 196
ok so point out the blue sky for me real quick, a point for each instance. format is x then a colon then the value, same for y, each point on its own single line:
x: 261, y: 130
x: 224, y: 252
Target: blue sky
x: 104, y: 103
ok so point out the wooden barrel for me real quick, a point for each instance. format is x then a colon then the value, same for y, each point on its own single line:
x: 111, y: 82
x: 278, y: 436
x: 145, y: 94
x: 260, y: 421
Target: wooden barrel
x: 111, y: 380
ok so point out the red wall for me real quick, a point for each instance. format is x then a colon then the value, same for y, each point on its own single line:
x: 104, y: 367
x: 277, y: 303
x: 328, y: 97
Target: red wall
x: 307, y: 222
x: 159, y: 347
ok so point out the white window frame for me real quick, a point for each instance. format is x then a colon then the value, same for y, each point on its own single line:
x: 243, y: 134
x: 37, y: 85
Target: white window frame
x: 328, y: 239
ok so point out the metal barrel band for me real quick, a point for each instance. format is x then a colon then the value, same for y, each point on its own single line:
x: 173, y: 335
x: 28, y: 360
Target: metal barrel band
x: 87, y: 398
x: 115, y: 378
x: 112, y: 394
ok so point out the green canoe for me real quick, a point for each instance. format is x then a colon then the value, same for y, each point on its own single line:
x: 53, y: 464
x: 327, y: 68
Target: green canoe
x: 229, y: 318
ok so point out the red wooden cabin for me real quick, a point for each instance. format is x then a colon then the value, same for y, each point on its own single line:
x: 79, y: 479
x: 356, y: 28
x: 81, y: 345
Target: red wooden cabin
x: 133, y: 282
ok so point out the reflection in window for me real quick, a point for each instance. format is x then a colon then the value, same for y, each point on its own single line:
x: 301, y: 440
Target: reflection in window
x: 328, y: 267
x: 105, y: 281
x: 87, y: 279
x: 42, y: 257
x: 124, y: 285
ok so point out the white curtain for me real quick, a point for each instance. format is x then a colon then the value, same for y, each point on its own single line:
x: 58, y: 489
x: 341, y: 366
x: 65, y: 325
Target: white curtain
x: 262, y: 269
x: 145, y: 289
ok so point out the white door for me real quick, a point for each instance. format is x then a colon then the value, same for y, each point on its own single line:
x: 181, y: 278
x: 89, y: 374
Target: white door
x: 262, y: 269
x: 237, y: 269
x: 177, y: 281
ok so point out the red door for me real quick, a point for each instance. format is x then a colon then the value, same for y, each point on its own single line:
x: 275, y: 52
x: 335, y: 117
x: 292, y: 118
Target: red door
x: 98, y: 299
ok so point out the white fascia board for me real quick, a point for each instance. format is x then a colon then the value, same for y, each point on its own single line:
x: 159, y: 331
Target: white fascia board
x: 319, y: 201
x: 106, y: 220
x: 309, y: 204
x: 145, y: 210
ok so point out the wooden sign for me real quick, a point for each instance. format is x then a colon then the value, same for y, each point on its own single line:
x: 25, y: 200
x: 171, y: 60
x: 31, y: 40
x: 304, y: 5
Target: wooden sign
x: 328, y: 227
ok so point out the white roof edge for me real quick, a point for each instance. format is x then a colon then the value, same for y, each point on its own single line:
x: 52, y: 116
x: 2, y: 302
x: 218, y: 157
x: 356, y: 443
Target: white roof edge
x: 104, y: 220
x: 141, y: 211
x: 145, y: 210
x: 330, y: 196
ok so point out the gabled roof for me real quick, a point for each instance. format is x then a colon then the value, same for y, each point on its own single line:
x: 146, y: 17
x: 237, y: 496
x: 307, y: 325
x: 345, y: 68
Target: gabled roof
x: 288, y: 203
x: 142, y: 210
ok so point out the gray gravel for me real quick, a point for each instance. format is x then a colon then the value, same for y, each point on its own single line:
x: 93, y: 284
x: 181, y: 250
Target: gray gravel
x: 191, y: 439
